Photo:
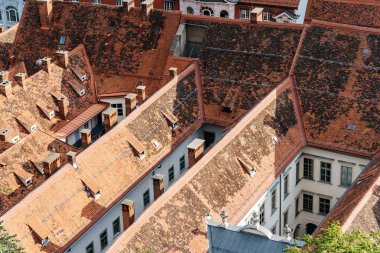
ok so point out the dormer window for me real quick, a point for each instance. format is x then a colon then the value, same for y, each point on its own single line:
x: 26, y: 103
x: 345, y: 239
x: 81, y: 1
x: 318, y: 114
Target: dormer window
x: 91, y: 188
x: 276, y: 139
x: 246, y: 164
x: 62, y: 40
x: 138, y: 148
x: 39, y: 230
x: 173, y: 120
x: 230, y: 99
x: 24, y: 176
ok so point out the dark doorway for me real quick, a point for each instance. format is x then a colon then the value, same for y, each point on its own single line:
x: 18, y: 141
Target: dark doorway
x: 209, y: 138
x: 224, y: 14
x: 310, y: 228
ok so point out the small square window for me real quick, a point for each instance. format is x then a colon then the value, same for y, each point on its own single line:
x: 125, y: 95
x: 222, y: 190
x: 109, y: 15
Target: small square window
x: 62, y: 40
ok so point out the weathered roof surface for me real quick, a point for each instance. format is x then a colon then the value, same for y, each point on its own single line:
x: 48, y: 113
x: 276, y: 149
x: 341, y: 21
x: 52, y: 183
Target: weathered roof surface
x: 250, y: 59
x: 8, y: 36
x: 32, y: 148
x: 223, y: 240
x: 123, y: 49
x: 105, y: 163
x: 283, y: 3
x: 217, y: 181
x: 361, y: 13
x: 358, y: 208
x: 81, y: 118
x: 338, y: 87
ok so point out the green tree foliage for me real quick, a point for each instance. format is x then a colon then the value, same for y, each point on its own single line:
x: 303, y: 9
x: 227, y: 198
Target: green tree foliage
x: 333, y: 239
x: 8, y: 243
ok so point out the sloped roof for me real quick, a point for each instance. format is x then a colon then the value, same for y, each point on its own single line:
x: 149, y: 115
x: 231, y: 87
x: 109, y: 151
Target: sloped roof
x: 105, y: 163
x: 217, y: 181
x: 339, y: 91
x: 364, y: 13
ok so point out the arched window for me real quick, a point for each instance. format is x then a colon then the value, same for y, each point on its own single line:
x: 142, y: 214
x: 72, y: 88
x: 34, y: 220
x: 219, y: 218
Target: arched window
x: 12, y: 14
x: 207, y: 11
x: 224, y: 14
x: 190, y: 10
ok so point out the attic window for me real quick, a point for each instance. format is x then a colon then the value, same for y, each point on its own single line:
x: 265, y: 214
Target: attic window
x: 16, y: 139
x: 230, y: 99
x: 40, y: 232
x: 156, y: 144
x: 24, y: 176
x: 91, y: 188
x: 276, y: 139
x: 62, y: 40
x: 138, y: 148
x: 173, y: 120
x: 247, y: 165
x: 351, y: 127
x: 366, y: 51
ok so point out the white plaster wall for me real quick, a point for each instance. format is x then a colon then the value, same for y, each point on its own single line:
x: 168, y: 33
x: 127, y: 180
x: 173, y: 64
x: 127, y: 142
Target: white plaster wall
x: 216, y: 6
x: 18, y: 4
x: 116, y: 101
x: 318, y: 189
x: 136, y: 194
x: 91, y: 124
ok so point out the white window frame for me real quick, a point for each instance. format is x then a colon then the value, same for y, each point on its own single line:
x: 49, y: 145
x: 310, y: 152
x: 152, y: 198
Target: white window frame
x: 244, y: 13
x: 169, y: 5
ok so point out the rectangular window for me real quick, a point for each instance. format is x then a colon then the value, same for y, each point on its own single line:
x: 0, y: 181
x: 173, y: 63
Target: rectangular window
x: 326, y: 172
x: 182, y: 164
x: 119, y: 108
x: 116, y: 227
x: 307, y: 202
x: 308, y: 166
x: 90, y: 248
x: 62, y: 40
x: 262, y: 213
x: 103, y: 240
x: 273, y: 230
x: 267, y: 15
x: 168, y: 5
x: 345, y: 176
x: 297, y: 206
x: 171, y: 175
x: 273, y: 200
x: 244, y: 13
x: 297, y: 172
x: 146, y: 198
x: 119, y: 2
x: 324, y: 206
x: 286, y: 218
x: 286, y: 186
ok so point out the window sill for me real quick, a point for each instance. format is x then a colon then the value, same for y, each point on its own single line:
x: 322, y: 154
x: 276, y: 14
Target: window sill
x: 323, y: 214
x: 344, y: 186
x: 324, y: 182
x: 307, y: 211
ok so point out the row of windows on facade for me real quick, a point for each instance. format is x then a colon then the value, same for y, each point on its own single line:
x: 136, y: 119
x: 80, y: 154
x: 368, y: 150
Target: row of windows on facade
x: 146, y: 200
x: 118, y: 2
x: 325, y: 169
x: 11, y: 14
x: 103, y: 237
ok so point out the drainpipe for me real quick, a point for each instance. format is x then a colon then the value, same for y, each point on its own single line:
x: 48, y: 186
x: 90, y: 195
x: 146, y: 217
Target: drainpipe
x: 280, y: 212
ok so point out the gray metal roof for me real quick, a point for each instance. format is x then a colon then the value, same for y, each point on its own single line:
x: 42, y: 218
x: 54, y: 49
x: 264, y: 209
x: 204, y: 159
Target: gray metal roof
x: 223, y: 240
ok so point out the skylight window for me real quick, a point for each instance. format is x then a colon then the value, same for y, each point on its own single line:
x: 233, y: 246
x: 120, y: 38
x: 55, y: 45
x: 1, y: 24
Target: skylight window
x: 366, y: 51
x: 62, y: 40
x: 351, y: 127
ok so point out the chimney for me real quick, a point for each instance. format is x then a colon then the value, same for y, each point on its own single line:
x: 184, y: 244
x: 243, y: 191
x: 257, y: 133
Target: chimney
x: 224, y: 216
x: 5, y: 135
x: 63, y: 107
x: 45, y: 8
x: 195, y: 150
x: 128, y: 212
x: 141, y: 94
x: 127, y: 5
x: 130, y: 102
x: 20, y: 79
x: 63, y: 58
x: 52, y: 163
x: 11, y: 61
x: 146, y: 8
x: 4, y: 76
x: 172, y: 72
x: 158, y: 185
x: 46, y: 64
x: 86, y: 137
x: 110, y: 118
x: 72, y: 158
x: 6, y: 88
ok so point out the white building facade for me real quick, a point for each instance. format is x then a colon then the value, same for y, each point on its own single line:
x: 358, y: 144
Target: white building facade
x: 304, y: 193
x: 223, y: 8
x: 10, y: 12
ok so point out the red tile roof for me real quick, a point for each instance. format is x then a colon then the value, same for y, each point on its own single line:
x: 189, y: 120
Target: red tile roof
x: 80, y: 119
x: 284, y: 3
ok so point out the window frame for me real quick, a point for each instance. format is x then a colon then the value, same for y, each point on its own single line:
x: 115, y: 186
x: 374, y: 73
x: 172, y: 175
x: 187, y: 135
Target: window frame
x: 286, y: 186
x: 171, y: 175
x: 119, y: 108
x: 308, y: 168
x: 325, y: 172
x: 267, y: 15
x: 11, y: 12
x: 182, y: 164
x: 116, y: 222
x: 262, y: 214
x: 103, y: 246
x: 274, y: 200
x: 92, y: 248
x: 347, y: 181
x: 307, y: 202
x: 146, y: 195
x: 244, y: 12
x: 168, y: 5
x: 297, y: 172
x: 324, y: 206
